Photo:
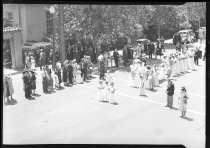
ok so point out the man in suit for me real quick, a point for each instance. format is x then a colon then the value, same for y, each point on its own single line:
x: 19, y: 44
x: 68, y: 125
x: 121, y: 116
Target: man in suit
x: 150, y: 49
x: 196, y: 57
x: 116, y: 57
x: 125, y: 55
x: 170, y: 93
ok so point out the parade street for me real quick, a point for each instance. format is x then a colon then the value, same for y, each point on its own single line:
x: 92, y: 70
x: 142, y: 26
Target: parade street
x: 74, y: 116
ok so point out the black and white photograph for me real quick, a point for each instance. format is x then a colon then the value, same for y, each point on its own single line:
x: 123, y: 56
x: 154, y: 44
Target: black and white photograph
x: 98, y: 73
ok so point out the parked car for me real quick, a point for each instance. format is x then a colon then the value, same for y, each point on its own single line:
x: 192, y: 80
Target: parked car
x: 187, y: 36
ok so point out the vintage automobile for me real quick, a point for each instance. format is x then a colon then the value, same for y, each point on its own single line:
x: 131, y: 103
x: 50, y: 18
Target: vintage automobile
x: 187, y: 36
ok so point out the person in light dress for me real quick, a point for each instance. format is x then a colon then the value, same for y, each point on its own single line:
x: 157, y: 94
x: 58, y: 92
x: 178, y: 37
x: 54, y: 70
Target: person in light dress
x: 112, y: 93
x: 162, y: 73
x: 132, y: 81
x: 155, y: 76
x: 142, y: 86
x: 106, y: 91
x: 79, y: 79
x: 183, y: 101
x: 100, y: 95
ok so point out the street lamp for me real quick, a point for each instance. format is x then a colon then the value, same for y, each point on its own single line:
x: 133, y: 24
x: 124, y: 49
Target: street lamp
x: 52, y: 11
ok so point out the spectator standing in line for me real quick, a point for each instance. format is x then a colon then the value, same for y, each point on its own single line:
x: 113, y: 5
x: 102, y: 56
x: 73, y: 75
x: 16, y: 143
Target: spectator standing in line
x: 116, y: 57
x: 170, y: 93
x: 42, y: 59
x: 27, y: 84
x: 8, y: 89
x: 183, y: 101
x: 125, y: 55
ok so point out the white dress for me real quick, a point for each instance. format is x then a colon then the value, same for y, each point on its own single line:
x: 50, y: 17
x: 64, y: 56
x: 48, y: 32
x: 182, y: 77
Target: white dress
x: 156, y: 80
x: 132, y: 81
x: 183, y: 101
x: 78, y: 77
x: 112, y: 95
x: 142, y: 88
x: 162, y: 74
x: 55, y: 79
x: 100, y: 95
x: 137, y: 77
x: 106, y: 93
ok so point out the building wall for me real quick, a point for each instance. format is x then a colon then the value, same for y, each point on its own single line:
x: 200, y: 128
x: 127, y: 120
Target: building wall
x: 11, y: 8
x: 36, y: 21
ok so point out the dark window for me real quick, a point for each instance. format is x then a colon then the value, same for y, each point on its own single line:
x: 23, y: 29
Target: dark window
x: 49, y: 24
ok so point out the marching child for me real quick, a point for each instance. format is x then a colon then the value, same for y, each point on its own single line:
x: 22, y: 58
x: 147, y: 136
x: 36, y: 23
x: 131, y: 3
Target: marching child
x: 112, y: 93
x: 142, y: 86
x: 107, y: 93
x: 100, y: 95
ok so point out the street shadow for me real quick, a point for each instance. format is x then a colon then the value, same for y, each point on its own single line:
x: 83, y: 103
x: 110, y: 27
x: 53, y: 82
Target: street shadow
x: 188, y: 119
x: 153, y: 90
x: 161, y: 81
x: 61, y: 88
x: 31, y: 98
x: 174, y: 108
x: 36, y: 95
x: 116, y: 103
x: 143, y: 95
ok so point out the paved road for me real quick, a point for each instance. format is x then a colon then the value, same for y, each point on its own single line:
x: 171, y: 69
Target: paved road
x: 73, y: 115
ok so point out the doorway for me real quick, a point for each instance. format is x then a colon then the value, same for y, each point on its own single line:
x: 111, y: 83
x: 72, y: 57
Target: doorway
x: 7, y: 57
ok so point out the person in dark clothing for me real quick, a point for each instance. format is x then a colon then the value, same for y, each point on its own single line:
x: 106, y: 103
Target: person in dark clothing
x: 204, y: 56
x: 116, y: 57
x: 151, y: 49
x: 27, y: 84
x: 65, y: 67
x: 84, y: 66
x: 42, y: 59
x: 170, y: 93
x: 70, y: 73
x: 196, y: 57
x: 33, y: 81
x: 68, y: 55
x: 125, y: 55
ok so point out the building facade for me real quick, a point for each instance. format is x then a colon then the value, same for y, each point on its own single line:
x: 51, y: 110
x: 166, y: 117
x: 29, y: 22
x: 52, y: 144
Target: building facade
x: 35, y: 23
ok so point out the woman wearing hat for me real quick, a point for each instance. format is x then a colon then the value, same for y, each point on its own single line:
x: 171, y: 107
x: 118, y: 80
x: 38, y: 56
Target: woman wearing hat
x: 183, y: 101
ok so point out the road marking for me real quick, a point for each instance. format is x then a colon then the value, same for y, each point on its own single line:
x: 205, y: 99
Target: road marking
x: 161, y: 89
x: 145, y: 100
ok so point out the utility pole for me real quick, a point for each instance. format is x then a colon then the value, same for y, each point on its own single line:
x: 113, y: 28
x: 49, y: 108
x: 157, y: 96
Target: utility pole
x: 62, y: 39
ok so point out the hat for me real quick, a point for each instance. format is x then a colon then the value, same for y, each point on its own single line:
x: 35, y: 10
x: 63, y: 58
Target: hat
x: 183, y: 87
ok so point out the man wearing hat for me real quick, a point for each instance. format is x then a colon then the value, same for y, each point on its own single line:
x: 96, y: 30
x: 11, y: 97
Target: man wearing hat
x: 170, y: 93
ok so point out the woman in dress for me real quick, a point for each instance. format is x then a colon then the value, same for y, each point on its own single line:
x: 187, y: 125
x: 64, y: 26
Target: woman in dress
x: 112, y: 93
x: 162, y: 73
x: 183, y: 101
x: 79, y: 79
x: 155, y: 76
x: 142, y: 86
x: 132, y: 81
x: 74, y: 64
x: 137, y: 73
x: 100, y: 95
x: 151, y: 79
x: 147, y: 74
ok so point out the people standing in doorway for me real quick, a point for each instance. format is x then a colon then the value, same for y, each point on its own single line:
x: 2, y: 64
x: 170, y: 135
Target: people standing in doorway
x: 170, y: 93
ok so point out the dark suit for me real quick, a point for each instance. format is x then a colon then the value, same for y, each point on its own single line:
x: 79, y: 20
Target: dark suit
x: 125, y: 56
x: 170, y: 93
x: 151, y: 49
x: 116, y: 56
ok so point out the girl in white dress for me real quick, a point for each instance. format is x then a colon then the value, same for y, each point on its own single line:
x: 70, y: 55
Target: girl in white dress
x: 107, y: 93
x: 137, y: 75
x: 79, y: 79
x: 100, y: 95
x: 162, y: 73
x: 109, y: 78
x: 112, y: 93
x: 55, y: 79
x: 74, y: 65
x: 142, y: 86
x: 183, y: 101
